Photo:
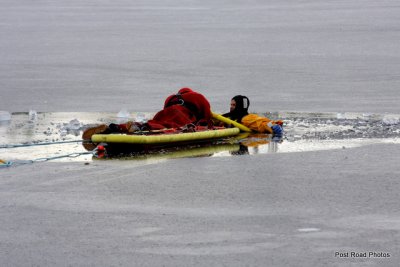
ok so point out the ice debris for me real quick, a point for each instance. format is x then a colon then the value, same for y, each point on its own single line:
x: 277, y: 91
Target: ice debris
x: 141, y: 117
x: 390, y: 121
x: 5, y: 116
x: 32, y: 115
x: 123, y: 113
x: 344, y: 128
x: 123, y: 116
x: 73, y: 127
x: 340, y: 116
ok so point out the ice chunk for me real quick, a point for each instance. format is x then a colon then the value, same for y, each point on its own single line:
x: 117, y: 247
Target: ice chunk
x: 141, y: 117
x: 32, y: 115
x: 367, y: 115
x: 73, y: 125
x: 123, y: 116
x: 63, y: 132
x: 387, y: 120
x: 5, y: 116
x: 123, y: 113
x: 340, y: 116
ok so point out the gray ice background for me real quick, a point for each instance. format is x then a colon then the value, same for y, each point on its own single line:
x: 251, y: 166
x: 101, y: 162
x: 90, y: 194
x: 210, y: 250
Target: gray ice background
x: 274, y: 209
x: 285, y: 55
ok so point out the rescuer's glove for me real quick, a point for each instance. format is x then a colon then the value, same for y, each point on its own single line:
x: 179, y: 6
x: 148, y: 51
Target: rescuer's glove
x: 277, y: 130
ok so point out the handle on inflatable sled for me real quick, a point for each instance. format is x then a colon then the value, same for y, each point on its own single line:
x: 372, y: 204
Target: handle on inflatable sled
x: 230, y: 122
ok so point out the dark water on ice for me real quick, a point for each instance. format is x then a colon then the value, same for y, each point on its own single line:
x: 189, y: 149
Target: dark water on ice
x: 56, y: 136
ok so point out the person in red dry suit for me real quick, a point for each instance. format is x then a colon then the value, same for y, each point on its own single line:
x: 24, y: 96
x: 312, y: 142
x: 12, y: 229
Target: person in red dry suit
x: 186, y: 107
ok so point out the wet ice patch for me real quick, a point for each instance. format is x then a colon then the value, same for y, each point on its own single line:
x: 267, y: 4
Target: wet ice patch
x: 308, y: 230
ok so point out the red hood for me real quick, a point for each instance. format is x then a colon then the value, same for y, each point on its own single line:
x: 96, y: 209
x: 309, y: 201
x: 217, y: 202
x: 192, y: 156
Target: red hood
x: 185, y: 90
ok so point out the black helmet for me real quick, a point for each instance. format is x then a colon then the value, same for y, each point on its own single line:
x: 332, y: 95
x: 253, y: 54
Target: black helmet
x: 241, y: 109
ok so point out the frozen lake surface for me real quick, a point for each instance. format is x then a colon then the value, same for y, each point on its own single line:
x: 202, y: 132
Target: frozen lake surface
x: 330, y: 189
x: 321, y: 56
